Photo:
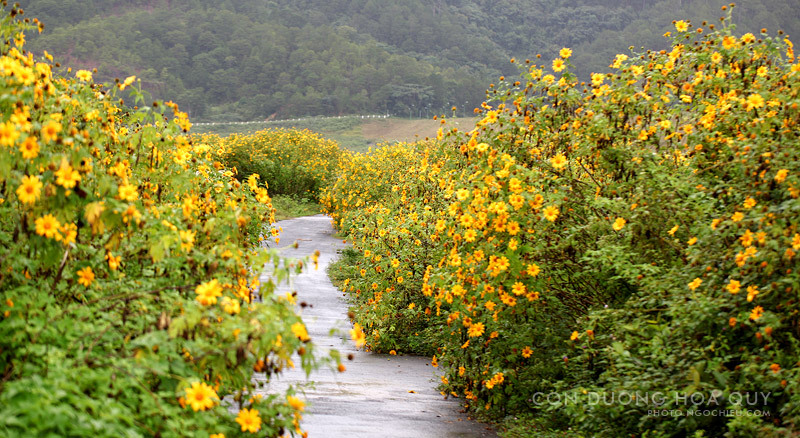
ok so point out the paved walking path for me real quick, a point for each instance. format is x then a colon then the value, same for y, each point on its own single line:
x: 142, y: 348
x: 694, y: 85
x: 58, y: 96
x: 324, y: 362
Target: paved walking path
x: 372, y: 398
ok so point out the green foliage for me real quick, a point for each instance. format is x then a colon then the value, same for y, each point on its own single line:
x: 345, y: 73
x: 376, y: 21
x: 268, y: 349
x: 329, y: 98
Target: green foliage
x: 288, y: 207
x: 385, y: 204
x: 289, y: 162
x: 634, y: 234
x: 242, y: 59
x: 130, y: 295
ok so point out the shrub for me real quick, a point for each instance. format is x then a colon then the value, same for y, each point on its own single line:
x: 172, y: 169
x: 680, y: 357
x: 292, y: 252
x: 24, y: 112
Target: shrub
x: 388, y: 206
x: 129, y: 262
x: 290, y: 162
x: 634, y: 233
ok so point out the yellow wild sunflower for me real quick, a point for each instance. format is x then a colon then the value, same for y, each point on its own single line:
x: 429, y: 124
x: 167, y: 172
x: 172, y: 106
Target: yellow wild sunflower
x: 30, y: 189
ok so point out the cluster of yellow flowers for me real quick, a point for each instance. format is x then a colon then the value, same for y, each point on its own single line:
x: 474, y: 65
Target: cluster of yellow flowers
x: 511, y: 228
x: 113, y: 217
x: 283, y: 161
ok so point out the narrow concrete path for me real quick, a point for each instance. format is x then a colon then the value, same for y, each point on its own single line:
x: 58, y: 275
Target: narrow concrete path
x: 374, y: 397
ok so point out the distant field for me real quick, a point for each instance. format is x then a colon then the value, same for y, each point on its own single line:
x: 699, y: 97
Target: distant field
x: 393, y: 129
x: 353, y: 133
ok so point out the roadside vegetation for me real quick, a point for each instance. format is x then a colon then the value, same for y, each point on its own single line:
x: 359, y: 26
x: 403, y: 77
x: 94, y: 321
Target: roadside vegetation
x: 632, y: 234
x: 131, y: 299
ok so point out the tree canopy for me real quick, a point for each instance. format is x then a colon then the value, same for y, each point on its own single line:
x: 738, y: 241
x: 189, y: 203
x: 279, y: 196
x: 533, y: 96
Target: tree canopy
x: 241, y: 59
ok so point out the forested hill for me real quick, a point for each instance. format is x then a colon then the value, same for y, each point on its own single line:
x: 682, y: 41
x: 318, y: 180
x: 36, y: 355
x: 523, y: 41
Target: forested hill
x: 249, y: 59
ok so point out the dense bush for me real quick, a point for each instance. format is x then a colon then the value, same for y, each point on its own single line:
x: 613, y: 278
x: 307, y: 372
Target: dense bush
x: 637, y: 233
x: 128, y: 265
x: 290, y: 162
x: 388, y: 202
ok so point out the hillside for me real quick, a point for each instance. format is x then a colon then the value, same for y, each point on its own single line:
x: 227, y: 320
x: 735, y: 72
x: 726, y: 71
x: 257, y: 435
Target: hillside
x: 244, y: 60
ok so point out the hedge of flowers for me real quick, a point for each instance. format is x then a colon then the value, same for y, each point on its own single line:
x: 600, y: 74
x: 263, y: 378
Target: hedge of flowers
x: 633, y: 234
x: 129, y: 265
x: 291, y: 162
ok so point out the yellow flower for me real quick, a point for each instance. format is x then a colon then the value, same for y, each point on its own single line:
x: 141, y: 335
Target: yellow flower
x: 47, y: 226
x: 565, y: 53
x: 476, y: 330
x: 733, y: 287
x: 128, y: 192
x: 559, y: 161
x: 217, y: 435
x: 128, y: 81
x: 796, y: 241
x: 558, y: 65
x: 754, y: 101
x: 67, y: 177
x: 574, y: 336
x: 357, y: 334
x: 746, y: 238
x: 597, y: 79
x: 187, y: 239
x: 201, y: 396
x: 29, y: 148
x: 695, y: 283
x: 8, y: 134
x: 781, y: 175
x: 299, y: 330
x: 532, y: 270
x: 752, y: 291
x: 113, y: 262
x: 681, y: 26
x: 208, y: 292
x: 249, y: 420
x: 618, y: 60
x: 85, y: 276
x: 736, y: 217
x: 716, y: 57
x: 527, y: 352
x: 551, y: 213
x: 230, y: 306
x: 756, y: 313
x: 30, y: 189
x: 692, y: 241
x: 50, y: 131
x: 84, y: 75
x: 673, y: 230
x: 619, y: 223
x: 728, y: 42
x: 749, y: 203
x: 296, y: 403
x: 748, y: 38
x: 470, y: 235
x: 637, y: 70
